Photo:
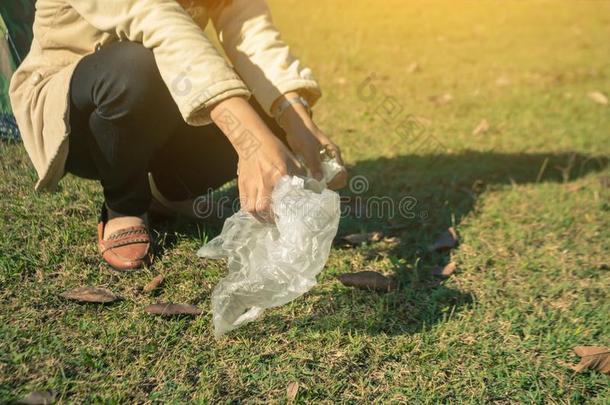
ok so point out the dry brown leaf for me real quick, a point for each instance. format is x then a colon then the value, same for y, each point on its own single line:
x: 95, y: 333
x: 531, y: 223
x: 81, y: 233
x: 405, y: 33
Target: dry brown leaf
x: 360, y: 238
x: 481, y: 128
x: 446, y: 241
x: 90, y: 294
x: 368, y: 280
x: 169, y: 309
x: 413, y: 67
x: 38, y: 398
x: 292, y: 391
x: 444, y: 271
x: 442, y: 99
x: 598, y: 97
x: 592, y: 358
x: 153, y: 284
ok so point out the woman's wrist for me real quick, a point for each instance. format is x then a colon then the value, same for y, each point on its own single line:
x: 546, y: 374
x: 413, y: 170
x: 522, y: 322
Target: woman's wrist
x: 291, y: 112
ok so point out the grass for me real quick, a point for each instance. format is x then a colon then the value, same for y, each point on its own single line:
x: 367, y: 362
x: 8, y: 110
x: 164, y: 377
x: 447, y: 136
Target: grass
x: 529, y: 198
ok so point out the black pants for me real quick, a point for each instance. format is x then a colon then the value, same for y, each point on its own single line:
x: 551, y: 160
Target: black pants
x: 125, y: 124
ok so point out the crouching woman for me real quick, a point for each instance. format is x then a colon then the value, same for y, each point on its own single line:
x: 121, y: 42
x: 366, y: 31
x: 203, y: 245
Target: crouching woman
x: 133, y: 94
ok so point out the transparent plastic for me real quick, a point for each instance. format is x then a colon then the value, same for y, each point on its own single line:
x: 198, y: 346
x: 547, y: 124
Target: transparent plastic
x: 272, y: 264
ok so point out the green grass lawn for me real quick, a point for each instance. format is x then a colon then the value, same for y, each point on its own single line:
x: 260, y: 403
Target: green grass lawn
x: 529, y: 198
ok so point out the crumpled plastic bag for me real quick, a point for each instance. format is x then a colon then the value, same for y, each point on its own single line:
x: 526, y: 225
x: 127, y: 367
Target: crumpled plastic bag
x: 272, y: 264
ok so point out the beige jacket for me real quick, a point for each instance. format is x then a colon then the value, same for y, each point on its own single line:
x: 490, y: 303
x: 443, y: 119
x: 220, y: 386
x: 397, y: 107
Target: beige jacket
x: 196, y: 75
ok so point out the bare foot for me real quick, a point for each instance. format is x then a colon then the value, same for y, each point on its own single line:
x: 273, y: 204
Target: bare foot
x: 117, y: 221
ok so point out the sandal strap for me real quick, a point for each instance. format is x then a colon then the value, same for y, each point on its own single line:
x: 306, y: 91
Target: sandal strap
x: 125, y: 237
x: 126, y: 232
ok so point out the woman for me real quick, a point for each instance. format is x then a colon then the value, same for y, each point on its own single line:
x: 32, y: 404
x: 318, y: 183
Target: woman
x: 113, y: 90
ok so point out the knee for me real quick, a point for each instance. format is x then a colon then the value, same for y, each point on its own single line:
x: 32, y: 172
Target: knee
x: 136, y: 65
x: 136, y: 84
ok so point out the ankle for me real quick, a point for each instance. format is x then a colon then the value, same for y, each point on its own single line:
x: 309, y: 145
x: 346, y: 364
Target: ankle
x: 117, y: 221
x: 115, y: 215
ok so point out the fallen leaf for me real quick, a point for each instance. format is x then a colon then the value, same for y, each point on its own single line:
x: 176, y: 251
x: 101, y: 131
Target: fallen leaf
x: 153, y: 284
x: 292, y: 391
x: 444, y: 271
x: 169, y: 309
x: 481, y: 128
x: 446, y: 241
x: 592, y: 358
x: 360, y: 238
x: 442, y: 99
x: 38, y: 398
x: 598, y: 97
x: 367, y: 280
x: 90, y: 294
x: 413, y: 67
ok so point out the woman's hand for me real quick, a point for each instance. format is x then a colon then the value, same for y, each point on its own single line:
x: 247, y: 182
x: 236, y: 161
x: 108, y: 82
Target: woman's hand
x: 258, y: 173
x: 306, y: 140
x: 263, y: 158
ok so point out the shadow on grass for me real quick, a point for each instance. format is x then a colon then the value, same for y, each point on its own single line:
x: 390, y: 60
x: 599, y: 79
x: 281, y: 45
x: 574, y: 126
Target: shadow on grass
x: 410, y: 309
x: 447, y: 186
x: 443, y: 189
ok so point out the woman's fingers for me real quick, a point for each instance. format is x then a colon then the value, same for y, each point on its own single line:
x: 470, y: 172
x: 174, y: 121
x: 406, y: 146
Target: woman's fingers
x: 247, y: 197
x: 256, y: 202
x: 263, y: 206
x: 337, y: 153
x: 260, y: 207
x: 296, y: 168
x: 314, y: 162
x: 339, y: 181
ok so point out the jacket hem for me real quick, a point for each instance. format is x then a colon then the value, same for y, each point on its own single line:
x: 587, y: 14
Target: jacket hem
x: 197, y: 108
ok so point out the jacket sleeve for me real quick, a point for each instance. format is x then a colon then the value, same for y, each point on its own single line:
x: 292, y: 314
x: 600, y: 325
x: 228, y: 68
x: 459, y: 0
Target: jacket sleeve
x: 196, y: 75
x: 253, y: 44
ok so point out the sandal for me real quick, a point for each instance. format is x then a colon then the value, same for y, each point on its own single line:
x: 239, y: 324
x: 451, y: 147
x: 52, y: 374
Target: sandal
x: 125, y: 249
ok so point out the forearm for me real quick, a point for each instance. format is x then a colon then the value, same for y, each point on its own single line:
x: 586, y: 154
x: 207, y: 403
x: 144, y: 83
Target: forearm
x: 263, y: 158
x: 304, y: 136
x: 241, y: 125
x: 258, y: 53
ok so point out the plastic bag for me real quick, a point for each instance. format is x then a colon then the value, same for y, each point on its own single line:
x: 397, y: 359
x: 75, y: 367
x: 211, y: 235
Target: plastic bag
x: 272, y: 264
